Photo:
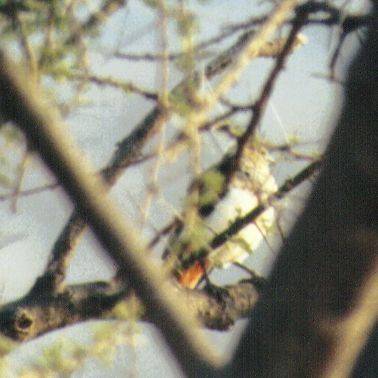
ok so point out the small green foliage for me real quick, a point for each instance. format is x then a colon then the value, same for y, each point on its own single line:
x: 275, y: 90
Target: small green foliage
x: 130, y: 310
x: 293, y: 139
x: 211, y: 185
x: 61, y: 359
x: 194, y: 237
x: 51, y: 39
x: 5, y: 181
x: 6, y: 345
x: 186, y: 23
x: 65, y: 356
x: 182, y: 98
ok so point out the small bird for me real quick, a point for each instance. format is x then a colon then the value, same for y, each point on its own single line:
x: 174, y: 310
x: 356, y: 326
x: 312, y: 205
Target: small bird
x: 220, y: 195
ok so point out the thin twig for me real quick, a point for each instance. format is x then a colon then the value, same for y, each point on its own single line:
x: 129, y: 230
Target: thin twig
x: 127, y: 151
x: 116, y: 234
x: 125, y: 86
x: 20, y: 176
x: 152, y: 185
x: 244, y: 221
x: 260, y: 105
x: 107, y: 9
x: 29, y: 192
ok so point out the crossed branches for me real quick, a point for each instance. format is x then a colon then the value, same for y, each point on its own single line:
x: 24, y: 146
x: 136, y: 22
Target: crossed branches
x: 43, y: 129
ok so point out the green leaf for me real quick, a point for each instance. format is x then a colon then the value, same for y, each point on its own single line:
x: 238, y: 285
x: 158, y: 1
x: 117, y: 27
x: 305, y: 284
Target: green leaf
x: 211, y: 185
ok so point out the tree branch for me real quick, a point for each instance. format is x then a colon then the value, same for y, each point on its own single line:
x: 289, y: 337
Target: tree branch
x: 96, y: 18
x: 127, y: 150
x: 320, y: 303
x: 260, y: 105
x: 40, y: 313
x: 250, y: 217
x: 22, y: 102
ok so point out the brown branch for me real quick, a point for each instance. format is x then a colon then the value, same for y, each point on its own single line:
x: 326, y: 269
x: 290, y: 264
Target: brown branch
x: 39, y: 313
x: 250, y: 217
x: 42, y: 312
x: 162, y: 232
x: 260, y: 105
x: 148, y: 56
x: 285, y: 188
x: 248, y: 46
x: 333, y: 16
x: 22, y: 102
x: 29, y: 192
x: 127, y: 150
x: 272, y: 49
x: 123, y: 157
x: 106, y: 10
x: 197, y: 49
x: 128, y: 87
x: 320, y: 303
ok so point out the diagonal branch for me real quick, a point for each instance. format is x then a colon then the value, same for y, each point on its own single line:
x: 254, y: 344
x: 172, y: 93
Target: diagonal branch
x: 320, y: 303
x: 39, y: 313
x: 285, y: 188
x: 260, y: 105
x: 250, y: 217
x: 96, y: 18
x: 126, y: 152
x: 22, y: 102
x: 127, y: 87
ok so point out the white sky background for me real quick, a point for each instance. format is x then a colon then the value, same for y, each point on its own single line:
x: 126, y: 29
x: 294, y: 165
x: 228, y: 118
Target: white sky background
x: 302, y: 104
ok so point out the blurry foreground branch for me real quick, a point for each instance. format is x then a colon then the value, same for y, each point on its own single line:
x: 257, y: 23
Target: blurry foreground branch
x: 20, y: 102
x: 321, y: 301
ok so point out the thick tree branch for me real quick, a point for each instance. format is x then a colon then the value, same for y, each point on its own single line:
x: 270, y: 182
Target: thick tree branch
x: 321, y: 302
x: 39, y: 313
x: 335, y: 16
x: 22, y: 103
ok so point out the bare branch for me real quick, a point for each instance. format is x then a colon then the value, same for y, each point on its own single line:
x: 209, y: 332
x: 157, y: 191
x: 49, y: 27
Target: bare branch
x: 29, y: 192
x: 128, y: 87
x: 127, y: 151
x: 285, y: 188
x: 242, y: 222
x: 21, y: 102
x: 261, y: 103
x: 40, y: 313
x: 320, y: 303
x: 95, y: 19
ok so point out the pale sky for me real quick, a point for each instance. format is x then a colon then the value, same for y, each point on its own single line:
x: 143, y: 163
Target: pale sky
x: 303, y: 104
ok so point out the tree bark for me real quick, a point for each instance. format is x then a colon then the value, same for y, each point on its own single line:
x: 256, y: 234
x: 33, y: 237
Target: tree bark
x: 320, y: 303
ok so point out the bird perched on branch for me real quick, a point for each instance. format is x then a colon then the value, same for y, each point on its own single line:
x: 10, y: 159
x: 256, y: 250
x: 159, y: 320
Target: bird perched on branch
x: 222, y: 194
